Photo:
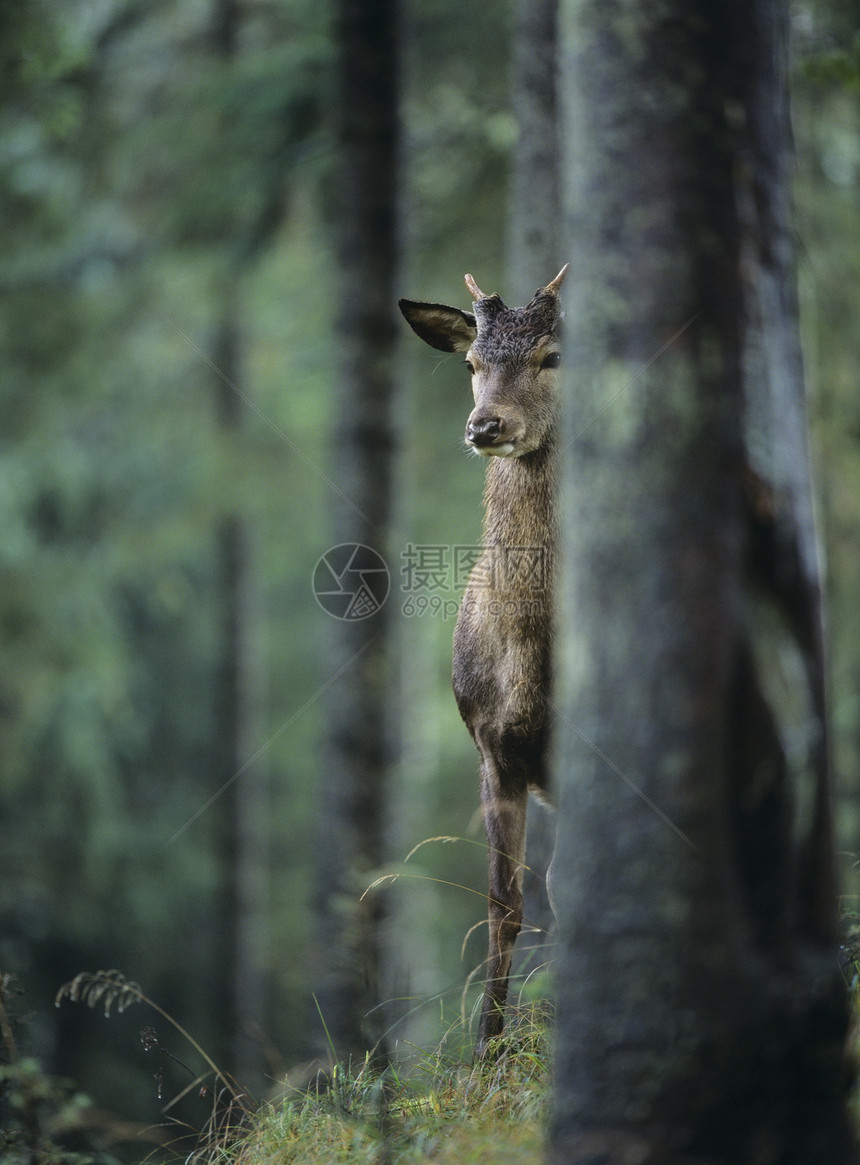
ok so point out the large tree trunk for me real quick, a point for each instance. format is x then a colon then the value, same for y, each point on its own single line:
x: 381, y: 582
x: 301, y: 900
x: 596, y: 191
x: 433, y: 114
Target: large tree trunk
x: 357, y: 752
x: 701, y: 1012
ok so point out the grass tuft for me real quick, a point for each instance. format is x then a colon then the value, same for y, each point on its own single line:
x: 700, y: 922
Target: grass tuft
x: 437, y: 1108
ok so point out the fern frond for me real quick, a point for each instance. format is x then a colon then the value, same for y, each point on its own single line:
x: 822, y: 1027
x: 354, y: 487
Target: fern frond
x: 112, y: 988
x: 93, y: 987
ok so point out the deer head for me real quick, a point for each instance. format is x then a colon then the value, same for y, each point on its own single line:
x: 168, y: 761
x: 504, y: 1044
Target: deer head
x: 512, y: 354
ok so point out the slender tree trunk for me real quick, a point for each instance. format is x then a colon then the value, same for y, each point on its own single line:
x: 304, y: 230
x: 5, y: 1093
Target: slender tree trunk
x: 241, y: 811
x: 357, y: 748
x: 701, y: 1012
x: 534, y: 220
x: 534, y: 257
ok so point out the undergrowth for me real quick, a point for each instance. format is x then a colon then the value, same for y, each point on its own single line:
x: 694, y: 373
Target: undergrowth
x: 430, y: 1105
x: 850, y: 925
x: 437, y: 1109
x: 230, y: 1110
x: 44, y: 1119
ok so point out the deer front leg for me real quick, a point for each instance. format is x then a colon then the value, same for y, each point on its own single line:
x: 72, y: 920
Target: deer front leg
x: 505, y: 820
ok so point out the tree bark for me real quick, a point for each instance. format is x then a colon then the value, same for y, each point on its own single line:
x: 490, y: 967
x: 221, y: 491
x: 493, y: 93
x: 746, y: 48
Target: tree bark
x: 357, y: 747
x: 701, y: 1012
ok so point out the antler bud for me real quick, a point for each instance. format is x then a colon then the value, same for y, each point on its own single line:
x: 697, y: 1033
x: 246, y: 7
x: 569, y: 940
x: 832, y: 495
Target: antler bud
x: 557, y: 282
x: 474, y: 290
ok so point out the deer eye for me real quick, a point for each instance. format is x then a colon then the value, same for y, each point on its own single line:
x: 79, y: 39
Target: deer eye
x: 551, y: 360
x: 470, y: 366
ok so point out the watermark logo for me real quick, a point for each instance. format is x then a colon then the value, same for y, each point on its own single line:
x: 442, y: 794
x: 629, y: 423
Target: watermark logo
x: 504, y: 569
x: 351, y: 581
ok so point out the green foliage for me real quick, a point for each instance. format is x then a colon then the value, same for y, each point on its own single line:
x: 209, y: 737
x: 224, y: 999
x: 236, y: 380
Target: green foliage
x: 233, y: 139
x: 850, y: 923
x: 40, y: 1114
x: 36, y: 1110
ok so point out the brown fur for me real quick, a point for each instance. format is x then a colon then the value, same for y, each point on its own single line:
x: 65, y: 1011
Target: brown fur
x: 502, y: 641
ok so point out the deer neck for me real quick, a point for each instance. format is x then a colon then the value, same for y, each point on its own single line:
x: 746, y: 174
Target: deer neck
x: 520, y: 501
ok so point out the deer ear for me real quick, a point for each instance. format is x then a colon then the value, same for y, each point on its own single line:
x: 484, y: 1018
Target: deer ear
x: 445, y: 328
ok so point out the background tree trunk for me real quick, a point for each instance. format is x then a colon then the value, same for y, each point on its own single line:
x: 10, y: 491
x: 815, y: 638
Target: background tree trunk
x: 357, y: 748
x: 534, y: 223
x: 701, y: 1012
x: 534, y: 257
x: 242, y: 816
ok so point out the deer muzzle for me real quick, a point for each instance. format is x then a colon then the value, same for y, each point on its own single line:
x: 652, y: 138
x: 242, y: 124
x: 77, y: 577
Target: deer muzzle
x: 483, y: 431
x: 488, y: 435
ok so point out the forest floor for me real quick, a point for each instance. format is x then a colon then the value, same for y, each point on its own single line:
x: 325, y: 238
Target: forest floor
x: 438, y: 1108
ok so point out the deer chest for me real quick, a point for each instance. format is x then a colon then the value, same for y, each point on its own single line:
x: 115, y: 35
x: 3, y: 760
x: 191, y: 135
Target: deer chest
x: 502, y: 662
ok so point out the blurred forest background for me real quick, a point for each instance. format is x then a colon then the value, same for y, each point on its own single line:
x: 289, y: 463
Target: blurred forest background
x: 168, y: 355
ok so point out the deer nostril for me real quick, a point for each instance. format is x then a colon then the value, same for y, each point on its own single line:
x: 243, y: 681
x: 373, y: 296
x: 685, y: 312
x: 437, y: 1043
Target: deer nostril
x: 483, y: 431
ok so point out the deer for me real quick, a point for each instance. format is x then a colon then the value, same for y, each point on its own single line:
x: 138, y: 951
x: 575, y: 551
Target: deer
x: 502, y: 657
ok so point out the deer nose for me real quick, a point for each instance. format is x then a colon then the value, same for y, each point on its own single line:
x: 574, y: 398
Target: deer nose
x: 483, y: 431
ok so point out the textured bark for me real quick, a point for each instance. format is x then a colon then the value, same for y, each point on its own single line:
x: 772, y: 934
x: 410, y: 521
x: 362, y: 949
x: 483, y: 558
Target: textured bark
x: 357, y: 752
x: 701, y: 1013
